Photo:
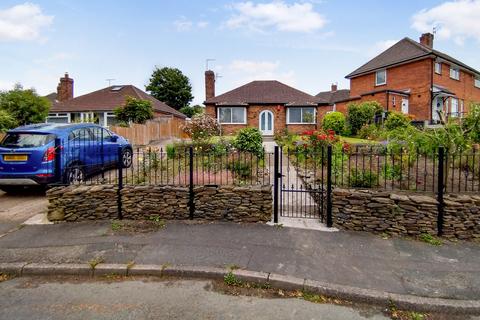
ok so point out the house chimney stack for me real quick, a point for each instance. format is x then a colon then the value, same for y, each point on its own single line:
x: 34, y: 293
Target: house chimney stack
x: 209, y: 84
x: 334, y: 87
x: 65, y: 89
x: 427, y: 40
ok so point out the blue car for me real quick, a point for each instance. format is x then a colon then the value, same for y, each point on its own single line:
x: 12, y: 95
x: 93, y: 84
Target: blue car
x: 28, y: 154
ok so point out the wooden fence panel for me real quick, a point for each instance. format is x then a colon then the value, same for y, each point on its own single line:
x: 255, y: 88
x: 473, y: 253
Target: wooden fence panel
x: 153, y: 130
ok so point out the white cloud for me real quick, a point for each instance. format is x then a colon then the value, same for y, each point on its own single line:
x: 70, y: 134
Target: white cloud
x: 183, y: 24
x: 202, y: 24
x: 23, y: 22
x: 297, y: 17
x: 243, y: 71
x: 457, y: 20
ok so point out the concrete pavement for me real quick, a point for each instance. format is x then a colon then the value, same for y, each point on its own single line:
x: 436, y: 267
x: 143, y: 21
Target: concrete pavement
x: 359, y: 260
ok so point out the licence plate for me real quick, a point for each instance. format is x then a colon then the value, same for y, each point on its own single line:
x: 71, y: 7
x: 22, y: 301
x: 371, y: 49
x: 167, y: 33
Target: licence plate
x: 15, y: 157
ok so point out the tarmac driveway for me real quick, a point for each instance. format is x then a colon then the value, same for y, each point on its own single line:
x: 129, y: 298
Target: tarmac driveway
x: 18, y: 208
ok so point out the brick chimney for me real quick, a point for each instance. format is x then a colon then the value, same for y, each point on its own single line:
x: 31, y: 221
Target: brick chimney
x: 209, y: 84
x: 334, y: 87
x: 427, y: 40
x: 65, y: 89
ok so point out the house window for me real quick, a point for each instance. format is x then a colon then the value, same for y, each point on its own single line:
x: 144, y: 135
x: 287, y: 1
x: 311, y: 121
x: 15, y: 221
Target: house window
x: 300, y: 115
x: 232, y: 115
x: 477, y: 82
x: 109, y: 119
x: 438, y: 67
x: 380, y: 77
x: 455, y: 73
x: 58, y: 118
x: 454, y: 107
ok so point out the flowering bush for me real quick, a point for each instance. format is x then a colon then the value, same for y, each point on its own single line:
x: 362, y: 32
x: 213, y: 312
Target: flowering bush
x: 317, y: 140
x: 202, y: 127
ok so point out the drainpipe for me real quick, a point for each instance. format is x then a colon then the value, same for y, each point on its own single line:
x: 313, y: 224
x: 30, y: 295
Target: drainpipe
x: 431, y: 87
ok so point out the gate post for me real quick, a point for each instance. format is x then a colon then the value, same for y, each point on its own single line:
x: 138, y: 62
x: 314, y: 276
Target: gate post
x: 441, y: 189
x: 120, y: 182
x: 329, y: 186
x: 276, y: 175
x: 58, y: 161
x: 191, y: 202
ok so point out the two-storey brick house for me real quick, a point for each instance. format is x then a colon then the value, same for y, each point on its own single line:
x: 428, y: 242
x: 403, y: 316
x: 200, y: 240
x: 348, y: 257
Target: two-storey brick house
x: 268, y: 105
x: 412, y: 77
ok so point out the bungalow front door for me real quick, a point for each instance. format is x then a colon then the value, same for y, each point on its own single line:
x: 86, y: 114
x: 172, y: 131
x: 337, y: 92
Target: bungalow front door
x: 266, y: 123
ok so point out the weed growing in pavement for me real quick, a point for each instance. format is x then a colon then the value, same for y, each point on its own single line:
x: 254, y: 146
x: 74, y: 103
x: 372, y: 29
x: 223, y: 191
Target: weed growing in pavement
x: 278, y: 225
x: 231, y: 280
x: 428, y: 238
x: 116, y: 225
x: 5, y: 277
x: 311, y: 297
x: 417, y: 316
x: 232, y: 267
x: 95, y: 262
x: 159, y: 222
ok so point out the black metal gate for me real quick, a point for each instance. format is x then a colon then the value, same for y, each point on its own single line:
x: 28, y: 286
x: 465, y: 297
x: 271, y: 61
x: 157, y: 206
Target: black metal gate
x: 303, y: 184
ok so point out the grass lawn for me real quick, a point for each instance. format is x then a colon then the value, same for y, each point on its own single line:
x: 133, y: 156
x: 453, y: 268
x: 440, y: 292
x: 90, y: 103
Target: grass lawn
x: 352, y: 140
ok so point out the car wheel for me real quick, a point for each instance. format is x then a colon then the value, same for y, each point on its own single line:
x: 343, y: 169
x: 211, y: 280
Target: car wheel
x: 75, y: 175
x: 127, y: 158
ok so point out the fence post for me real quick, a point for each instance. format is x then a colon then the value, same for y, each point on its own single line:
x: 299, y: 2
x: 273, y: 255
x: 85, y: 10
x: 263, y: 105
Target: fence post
x: 276, y: 176
x: 329, y: 187
x: 58, y: 161
x: 120, y: 182
x: 191, y: 202
x: 441, y: 189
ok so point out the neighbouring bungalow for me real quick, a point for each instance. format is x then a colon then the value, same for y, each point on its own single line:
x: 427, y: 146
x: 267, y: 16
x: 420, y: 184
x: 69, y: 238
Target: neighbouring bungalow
x: 270, y: 106
x: 98, y: 106
x: 413, y: 78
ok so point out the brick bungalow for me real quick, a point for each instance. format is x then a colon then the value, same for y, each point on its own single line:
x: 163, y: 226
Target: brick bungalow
x: 412, y: 77
x: 98, y: 106
x: 268, y: 105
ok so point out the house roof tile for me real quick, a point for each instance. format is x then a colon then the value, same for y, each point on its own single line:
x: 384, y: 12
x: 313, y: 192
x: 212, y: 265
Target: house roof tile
x: 266, y: 92
x: 107, y: 99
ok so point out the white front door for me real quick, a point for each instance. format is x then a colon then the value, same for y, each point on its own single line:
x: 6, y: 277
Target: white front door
x: 405, y: 106
x: 266, y: 123
x: 436, y: 108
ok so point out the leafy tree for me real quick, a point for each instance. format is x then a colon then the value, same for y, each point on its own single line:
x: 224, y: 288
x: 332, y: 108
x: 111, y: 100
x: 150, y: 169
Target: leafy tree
x: 171, y: 86
x: 25, y: 106
x: 134, y: 110
x: 190, y: 111
x: 361, y: 114
x: 334, y: 121
x: 7, y: 121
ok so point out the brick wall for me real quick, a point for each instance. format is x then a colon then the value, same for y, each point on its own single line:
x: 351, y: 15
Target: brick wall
x: 414, y: 76
x: 280, y: 119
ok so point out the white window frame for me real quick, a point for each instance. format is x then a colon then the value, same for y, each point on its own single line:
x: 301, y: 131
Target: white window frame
x: 376, y: 78
x: 457, y: 104
x: 239, y: 123
x: 59, y: 115
x: 455, y: 73
x: 438, y: 67
x: 476, y: 82
x: 301, y: 115
x: 107, y: 115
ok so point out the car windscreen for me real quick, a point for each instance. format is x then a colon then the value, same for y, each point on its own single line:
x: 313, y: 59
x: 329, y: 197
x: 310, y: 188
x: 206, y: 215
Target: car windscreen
x: 17, y: 140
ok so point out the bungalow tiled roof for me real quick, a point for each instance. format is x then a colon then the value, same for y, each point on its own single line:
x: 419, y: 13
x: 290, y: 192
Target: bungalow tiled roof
x: 109, y: 98
x: 403, y: 51
x: 334, y: 96
x: 266, y: 92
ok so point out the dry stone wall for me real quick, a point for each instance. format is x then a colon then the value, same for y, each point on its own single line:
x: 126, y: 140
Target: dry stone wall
x: 405, y: 213
x: 218, y: 203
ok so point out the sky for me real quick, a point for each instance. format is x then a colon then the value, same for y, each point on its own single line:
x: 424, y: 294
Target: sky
x: 305, y: 44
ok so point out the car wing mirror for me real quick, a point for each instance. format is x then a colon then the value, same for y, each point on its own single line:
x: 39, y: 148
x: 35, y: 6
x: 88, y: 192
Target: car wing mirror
x: 114, y: 138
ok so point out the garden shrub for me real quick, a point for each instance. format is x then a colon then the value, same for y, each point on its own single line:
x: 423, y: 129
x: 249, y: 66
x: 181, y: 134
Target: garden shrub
x: 286, y: 139
x: 397, y: 120
x: 369, y: 131
x: 202, y: 127
x: 318, y: 140
x: 334, y: 121
x: 362, y: 178
x: 471, y: 123
x: 361, y: 114
x: 250, y: 140
x: 241, y: 168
